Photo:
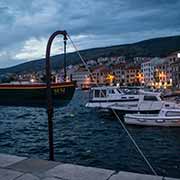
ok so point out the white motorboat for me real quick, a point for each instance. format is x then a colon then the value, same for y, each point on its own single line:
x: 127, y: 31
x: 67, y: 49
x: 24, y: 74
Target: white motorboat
x: 114, y: 98
x: 147, y: 103
x: 166, y: 117
x: 106, y: 96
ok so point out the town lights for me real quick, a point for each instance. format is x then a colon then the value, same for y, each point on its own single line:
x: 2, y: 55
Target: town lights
x: 32, y: 80
x: 87, y: 80
x: 141, y: 76
x: 178, y: 55
x: 170, y: 81
x: 110, y: 78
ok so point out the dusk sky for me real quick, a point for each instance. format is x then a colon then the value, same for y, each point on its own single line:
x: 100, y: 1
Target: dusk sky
x: 26, y: 25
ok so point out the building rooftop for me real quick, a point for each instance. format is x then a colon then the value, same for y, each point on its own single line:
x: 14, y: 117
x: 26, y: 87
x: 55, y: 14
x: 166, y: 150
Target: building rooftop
x: 174, y: 53
x: 101, y: 69
x: 117, y: 66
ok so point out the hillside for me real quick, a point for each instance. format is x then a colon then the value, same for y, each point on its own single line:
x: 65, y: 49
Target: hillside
x: 148, y: 48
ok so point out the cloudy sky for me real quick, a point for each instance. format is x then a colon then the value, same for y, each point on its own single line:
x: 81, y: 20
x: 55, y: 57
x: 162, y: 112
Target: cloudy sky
x: 25, y: 25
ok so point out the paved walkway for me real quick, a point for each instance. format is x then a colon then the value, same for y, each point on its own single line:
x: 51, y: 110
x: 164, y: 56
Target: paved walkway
x: 21, y: 168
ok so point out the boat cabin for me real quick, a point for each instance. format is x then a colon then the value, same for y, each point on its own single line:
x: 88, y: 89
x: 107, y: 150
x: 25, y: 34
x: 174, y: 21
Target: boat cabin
x: 110, y: 93
x: 114, y: 97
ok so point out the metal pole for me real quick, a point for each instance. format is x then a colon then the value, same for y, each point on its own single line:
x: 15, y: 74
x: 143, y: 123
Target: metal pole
x: 49, y: 93
x: 65, y: 58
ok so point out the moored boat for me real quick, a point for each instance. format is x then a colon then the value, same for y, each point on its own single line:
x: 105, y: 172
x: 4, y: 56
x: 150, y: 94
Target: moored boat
x: 106, y: 96
x: 126, y: 101
x: 147, y: 103
x: 166, y: 117
x: 35, y: 94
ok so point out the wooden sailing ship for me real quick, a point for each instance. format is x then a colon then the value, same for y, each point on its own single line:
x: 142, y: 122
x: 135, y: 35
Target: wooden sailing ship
x: 37, y: 94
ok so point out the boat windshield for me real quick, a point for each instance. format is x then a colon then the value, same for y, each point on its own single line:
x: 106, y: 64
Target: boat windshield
x: 119, y: 91
x: 130, y: 91
x: 150, y: 98
x: 111, y: 91
x: 103, y: 93
x: 100, y: 93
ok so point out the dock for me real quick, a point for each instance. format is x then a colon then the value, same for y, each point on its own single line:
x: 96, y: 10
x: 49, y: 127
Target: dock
x: 21, y: 168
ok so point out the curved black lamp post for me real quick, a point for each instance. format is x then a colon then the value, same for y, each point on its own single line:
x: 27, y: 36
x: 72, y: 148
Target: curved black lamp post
x: 49, y: 95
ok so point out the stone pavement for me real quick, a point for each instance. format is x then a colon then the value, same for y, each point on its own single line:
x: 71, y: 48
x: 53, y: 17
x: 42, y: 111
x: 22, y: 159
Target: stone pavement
x: 21, y: 168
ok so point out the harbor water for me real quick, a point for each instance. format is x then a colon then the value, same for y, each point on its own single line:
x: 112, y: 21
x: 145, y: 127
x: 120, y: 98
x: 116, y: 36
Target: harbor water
x: 87, y: 137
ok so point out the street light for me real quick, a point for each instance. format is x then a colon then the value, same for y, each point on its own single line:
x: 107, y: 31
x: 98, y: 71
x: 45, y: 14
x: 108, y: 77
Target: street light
x: 110, y: 77
x: 178, y: 55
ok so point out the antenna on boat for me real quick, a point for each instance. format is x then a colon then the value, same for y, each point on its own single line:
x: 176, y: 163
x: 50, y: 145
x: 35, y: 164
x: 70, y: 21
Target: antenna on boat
x: 49, y: 94
x: 65, y: 43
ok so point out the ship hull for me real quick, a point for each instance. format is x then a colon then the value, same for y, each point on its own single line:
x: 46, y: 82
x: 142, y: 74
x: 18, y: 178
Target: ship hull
x: 35, y: 94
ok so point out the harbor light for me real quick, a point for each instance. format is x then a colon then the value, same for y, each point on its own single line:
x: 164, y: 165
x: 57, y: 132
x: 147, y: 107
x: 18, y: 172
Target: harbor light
x: 32, y: 80
x: 170, y: 80
x: 178, y: 55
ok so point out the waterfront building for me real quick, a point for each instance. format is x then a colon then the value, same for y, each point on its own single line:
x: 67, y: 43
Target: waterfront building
x: 176, y: 74
x: 121, y: 59
x: 116, y: 60
x: 139, y: 60
x: 175, y: 69
x: 162, y: 73
x: 167, y: 71
x: 147, y: 69
x: 80, y: 76
x: 111, y: 60
x: 119, y: 73
x: 70, y: 70
x: 173, y: 57
x: 133, y: 75
x: 156, y: 72
x: 100, y: 74
x: 91, y: 63
x: 103, y: 60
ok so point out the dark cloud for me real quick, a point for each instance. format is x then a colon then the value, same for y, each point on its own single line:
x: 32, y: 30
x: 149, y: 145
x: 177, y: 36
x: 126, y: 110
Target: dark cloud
x: 101, y: 22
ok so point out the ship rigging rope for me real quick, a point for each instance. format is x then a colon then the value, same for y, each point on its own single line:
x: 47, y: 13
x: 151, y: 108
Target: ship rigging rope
x: 123, y: 126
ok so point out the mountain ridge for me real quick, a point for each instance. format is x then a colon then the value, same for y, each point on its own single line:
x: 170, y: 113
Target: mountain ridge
x: 160, y: 47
